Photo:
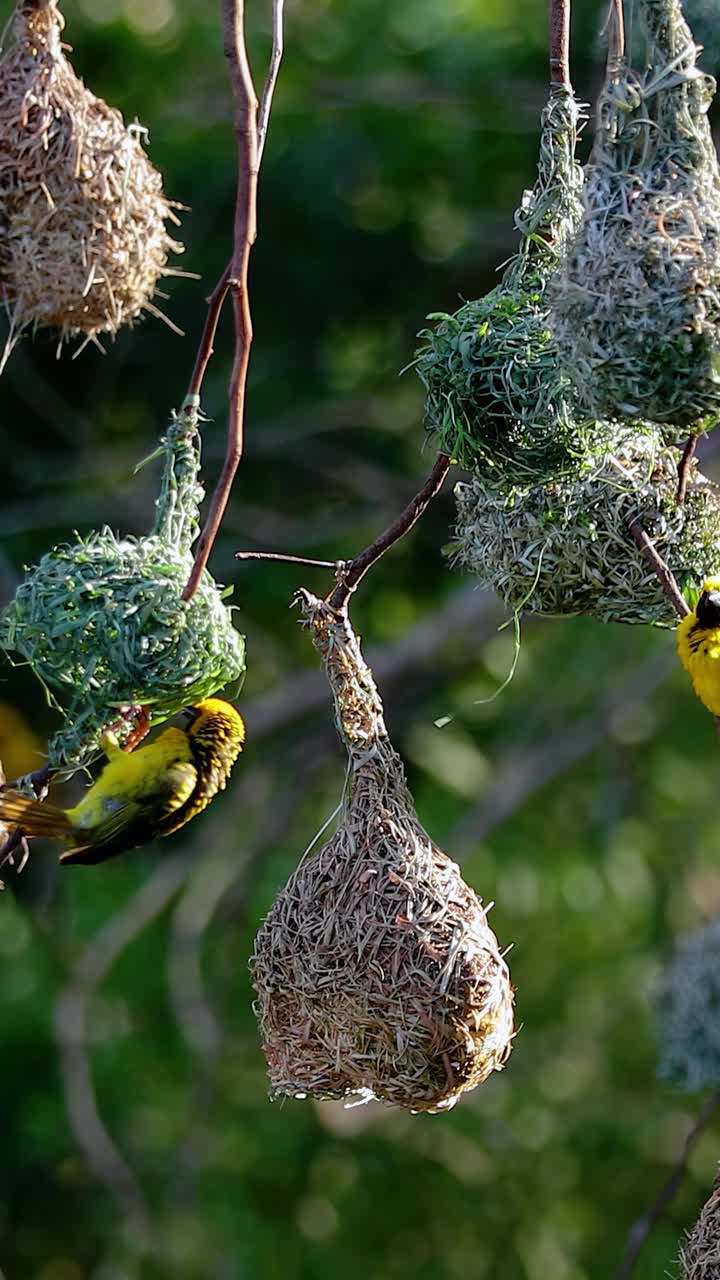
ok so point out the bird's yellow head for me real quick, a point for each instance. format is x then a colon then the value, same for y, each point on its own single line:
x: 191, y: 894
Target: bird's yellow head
x: 707, y: 609
x: 215, y: 717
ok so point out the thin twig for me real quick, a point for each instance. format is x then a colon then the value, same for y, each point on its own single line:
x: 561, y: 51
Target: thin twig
x: 357, y: 568
x: 337, y: 565
x: 642, y: 1228
x: 244, y: 233
x: 272, y: 75
x: 659, y: 567
x: 616, y: 33
x: 560, y: 43
x: 684, y: 468
x: 251, y: 132
x: 207, y: 340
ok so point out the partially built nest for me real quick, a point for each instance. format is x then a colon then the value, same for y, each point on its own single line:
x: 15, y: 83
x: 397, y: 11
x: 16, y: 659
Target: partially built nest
x: 688, y: 999
x: 497, y: 394
x: 636, y: 302
x: 103, y: 624
x: 564, y: 548
x: 700, y: 1252
x: 376, y: 972
x: 83, y: 241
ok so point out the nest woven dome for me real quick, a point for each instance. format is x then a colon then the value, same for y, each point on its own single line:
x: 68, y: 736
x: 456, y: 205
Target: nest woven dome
x: 497, y: 394
x: 688, y: 999
x: 377, y: 974
x: 83, y: 242
x: 564, y: 548
x: 636, y: 301
x: 102, y: 623
x: 700, y: 1252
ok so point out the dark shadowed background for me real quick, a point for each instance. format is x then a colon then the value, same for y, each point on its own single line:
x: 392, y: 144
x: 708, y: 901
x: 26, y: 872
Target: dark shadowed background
x: 583, y: 800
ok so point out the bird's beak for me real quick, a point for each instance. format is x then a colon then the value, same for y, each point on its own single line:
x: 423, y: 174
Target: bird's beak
x: 190, y: 714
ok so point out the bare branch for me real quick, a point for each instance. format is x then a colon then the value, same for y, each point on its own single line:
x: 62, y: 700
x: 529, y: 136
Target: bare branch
x: 560, y: 43
x: 245, y: 231
x: 642, y: 1228
x: 357, y: 568
x: 272, y: 75
x: 288, y: 559
x: 659, y: 567
x: 684, y: 468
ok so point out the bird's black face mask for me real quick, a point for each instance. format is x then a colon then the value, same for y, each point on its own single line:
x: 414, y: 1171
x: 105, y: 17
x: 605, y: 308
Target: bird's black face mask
x: 708, y: 609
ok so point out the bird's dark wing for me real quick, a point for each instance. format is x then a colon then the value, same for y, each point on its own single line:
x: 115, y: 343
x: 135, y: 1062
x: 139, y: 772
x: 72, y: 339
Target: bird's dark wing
x: 138, y: 819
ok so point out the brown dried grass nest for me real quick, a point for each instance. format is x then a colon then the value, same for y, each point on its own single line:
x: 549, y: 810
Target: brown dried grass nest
x: 564, y: 548
x: 700, y: 1254
x: 376, y: 971
x: 83, y: 242
x: 636, y: 302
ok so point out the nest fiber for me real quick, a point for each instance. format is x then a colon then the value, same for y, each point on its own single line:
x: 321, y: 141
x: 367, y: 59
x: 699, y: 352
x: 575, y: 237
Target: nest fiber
x: 82, y: 211
x: 687, y: 1012
x: 636, y: 303
x: 700, y: 1253
x: 564, y: 548
x: 497, y: 395
x: 102, y: 623
x: 376, y: 971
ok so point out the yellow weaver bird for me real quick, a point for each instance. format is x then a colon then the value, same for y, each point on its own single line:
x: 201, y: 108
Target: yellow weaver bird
x: 149, y: 792
x: 698, y: 645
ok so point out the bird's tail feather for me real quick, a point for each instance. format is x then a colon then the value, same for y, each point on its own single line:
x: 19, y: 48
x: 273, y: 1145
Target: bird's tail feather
x: 38, y: 819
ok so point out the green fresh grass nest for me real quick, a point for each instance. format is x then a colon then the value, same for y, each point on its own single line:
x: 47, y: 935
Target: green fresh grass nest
x: 102, y: 623
x: 636, y: 302
x: 497, y: 395
x: 564, y: 548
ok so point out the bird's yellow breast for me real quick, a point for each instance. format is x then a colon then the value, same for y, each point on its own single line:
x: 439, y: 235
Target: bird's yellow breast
x: 129, y: 775
x: 699, y: 651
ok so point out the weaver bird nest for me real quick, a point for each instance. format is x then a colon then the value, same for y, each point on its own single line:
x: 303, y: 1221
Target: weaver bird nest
x: 102, y: 623
x: 687, y: 1003
x: 376, y: 971
x: 636, y: 304
x: 82, y: 211
x: 700, y: 1252
x: 497, y: 394
x: 564, y: 548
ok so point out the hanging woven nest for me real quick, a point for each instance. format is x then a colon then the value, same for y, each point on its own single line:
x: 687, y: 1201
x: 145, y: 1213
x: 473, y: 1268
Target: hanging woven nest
x: 376, y: 971
x: 497, y: 395
x: 700, y: 1252
x: 688, y: 999
x: 103, y: 625
x: 564, y: 548
x: 83, y: 242
x: 636, y: 302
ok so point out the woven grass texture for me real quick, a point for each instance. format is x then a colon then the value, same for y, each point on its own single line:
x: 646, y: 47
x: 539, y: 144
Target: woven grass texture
x: 376, y: 972
x: 498, y: 397
x: 700, y: 1253
x: 636, y: 302
x: 103, y: 626
x: 82, y: 210
x: 564, y: 548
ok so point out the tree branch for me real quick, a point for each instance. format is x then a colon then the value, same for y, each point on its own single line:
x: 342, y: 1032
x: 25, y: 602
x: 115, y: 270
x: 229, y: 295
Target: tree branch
x: 236, y: 274
x: 357, y: 568
x: 560, y: 43
x: 272, y: 75
x: 251, y: 133
x: 684, y: 468
x: 642, y: 1228
x: 659, y: 567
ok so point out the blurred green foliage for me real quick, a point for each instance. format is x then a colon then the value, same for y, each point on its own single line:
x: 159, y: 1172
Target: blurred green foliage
x: 582, y: 800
